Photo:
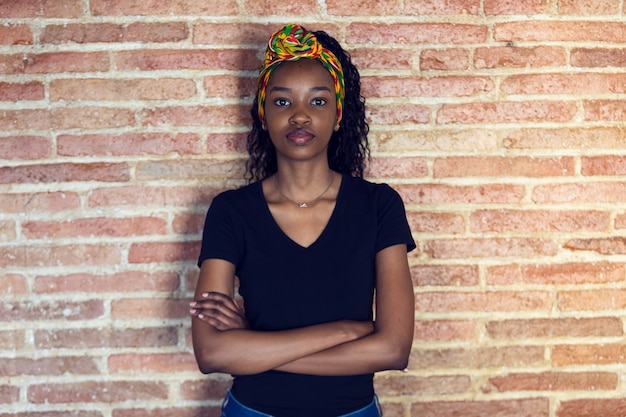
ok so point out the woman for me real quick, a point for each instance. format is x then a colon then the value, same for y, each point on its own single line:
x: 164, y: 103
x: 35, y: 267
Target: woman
x: 311, y: 242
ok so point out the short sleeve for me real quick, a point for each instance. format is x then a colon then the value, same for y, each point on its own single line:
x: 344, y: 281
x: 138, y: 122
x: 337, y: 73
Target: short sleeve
x: 393, y: 227
x: 221, y: 238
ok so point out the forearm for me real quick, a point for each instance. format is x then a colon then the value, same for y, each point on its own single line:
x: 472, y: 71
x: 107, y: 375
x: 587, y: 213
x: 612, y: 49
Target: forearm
x: 244, y: 352
x: 369, y: 354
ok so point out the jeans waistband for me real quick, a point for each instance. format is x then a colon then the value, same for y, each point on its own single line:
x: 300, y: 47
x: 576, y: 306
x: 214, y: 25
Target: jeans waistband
x: 233, y: 408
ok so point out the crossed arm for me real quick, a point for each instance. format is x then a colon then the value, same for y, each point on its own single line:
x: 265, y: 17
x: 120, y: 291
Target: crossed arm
x: 223, y: 342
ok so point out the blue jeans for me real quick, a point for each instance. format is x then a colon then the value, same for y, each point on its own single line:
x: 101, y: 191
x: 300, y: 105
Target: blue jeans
x: 233, y: 408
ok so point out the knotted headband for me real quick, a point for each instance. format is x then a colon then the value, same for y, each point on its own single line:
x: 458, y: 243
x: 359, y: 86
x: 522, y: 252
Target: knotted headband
x: 293, y: 43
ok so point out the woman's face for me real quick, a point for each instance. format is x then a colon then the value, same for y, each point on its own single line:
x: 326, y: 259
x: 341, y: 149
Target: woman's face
x: 300, y: 110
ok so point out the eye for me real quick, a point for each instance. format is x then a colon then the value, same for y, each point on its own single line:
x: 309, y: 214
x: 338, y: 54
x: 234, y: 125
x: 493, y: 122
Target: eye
x: 319, y: 101
x: 281, y: 102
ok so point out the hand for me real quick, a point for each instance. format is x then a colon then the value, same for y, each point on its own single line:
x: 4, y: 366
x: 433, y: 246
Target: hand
x: 220, y: 311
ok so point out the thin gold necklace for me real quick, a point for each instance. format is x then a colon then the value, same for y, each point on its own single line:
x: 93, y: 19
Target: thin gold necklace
x: 305, y: 204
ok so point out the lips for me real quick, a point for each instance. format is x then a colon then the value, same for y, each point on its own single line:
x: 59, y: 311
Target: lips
x: 300, y: 136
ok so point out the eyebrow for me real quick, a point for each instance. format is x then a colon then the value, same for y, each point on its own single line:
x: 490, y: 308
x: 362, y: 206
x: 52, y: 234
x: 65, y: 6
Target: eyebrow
x: 287, y: 89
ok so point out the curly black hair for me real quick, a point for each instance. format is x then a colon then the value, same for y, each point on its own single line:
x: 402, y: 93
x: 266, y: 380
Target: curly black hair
x: 348, y: 148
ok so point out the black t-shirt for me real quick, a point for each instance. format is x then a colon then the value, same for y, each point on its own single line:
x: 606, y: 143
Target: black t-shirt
x: 285, y: 285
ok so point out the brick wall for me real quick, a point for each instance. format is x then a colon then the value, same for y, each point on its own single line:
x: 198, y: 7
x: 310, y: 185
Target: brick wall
x: 500, y: 122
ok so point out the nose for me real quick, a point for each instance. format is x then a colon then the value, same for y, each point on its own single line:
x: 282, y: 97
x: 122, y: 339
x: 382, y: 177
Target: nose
x: 299, y: 116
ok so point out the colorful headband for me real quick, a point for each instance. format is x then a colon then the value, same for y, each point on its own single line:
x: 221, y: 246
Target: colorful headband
x: 292, y: 43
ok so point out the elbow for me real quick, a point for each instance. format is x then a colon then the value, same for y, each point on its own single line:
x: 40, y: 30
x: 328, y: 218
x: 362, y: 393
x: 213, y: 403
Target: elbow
x: 206, y: 362
x: 398, y: 360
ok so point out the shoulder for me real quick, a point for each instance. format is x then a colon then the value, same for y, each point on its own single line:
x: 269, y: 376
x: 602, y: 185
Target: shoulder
x: 374, y: 190
x: 243, y: 195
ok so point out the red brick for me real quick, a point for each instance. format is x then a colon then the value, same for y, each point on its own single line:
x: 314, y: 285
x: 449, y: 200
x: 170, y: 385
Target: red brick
x: 518, y: 57
x: 73, y: 413
x: 234, y: 34
x: 198, y: 59
x: 13, y: 284
x: 52, y: 310
x: 598, y: 57
x: 151, y: 196
x: 397, y: 59
x: 500, y: 221
x: 597, y: 354
x: 60, y: 365
x: 580, y: 192
x: 96, y: 226
x: 226, y: 143
x: 435, y: 7
x: 444, y: 59
x: 41, y: 8
x: 442, y: 193
x: 109, y: 32
x: 190, y: 411
x: 127, y: 281
x: 416, y: 386
x: 448, y: 86
x: 588, y: 7
x: 592, y: 300
x: 269, y: 7
x: 14, y: 340
x: 96, y: 392
x: 60, y: 118
x: 398, y: 114
x: 152, y: 363
x: 159, y: 8
x: 201, y: 169
x: 121, y: 90
x: 346, y: 8
x: 489, y: 248
x: 444, y: 223
x: 9, y: 394
x: 605, y: 110
x: 205, y: 116
x: 129, y: 144
x: 97, y: 171
x: 396, y: 167
x: 15, y: 34
x: 205, y: 389
x: 592, y: 138
x: 483, y: 301
x: 80, y: 254
x: 603, y: 165
x: 188, y: 223
x: 592, y: 407
x: 605, y: 246
x: 445, y: 331
x: 89, y: 338
x: 54, y: 62
x: 151, y: 308
x: 560, y: 31
x: 535, y: 407
x: 415, y: 33
x: 507, y: 112
x: 505, y: 7
x: 444, y: 275
x: 565, y: 84
x: 230, y: 86
x: 556, y: 273
x: 25, y: 147
x: 464, y: 140
x: 163, y: 252
x: 503, y: 167
x: 620, y: 221
x: 39, y: 202
x: 479, y: 358
x: 21, y: 91
x: 555, y: 328
x: 553, y: 381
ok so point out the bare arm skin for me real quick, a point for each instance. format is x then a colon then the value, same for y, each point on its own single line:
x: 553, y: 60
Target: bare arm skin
x: 240, y: 351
